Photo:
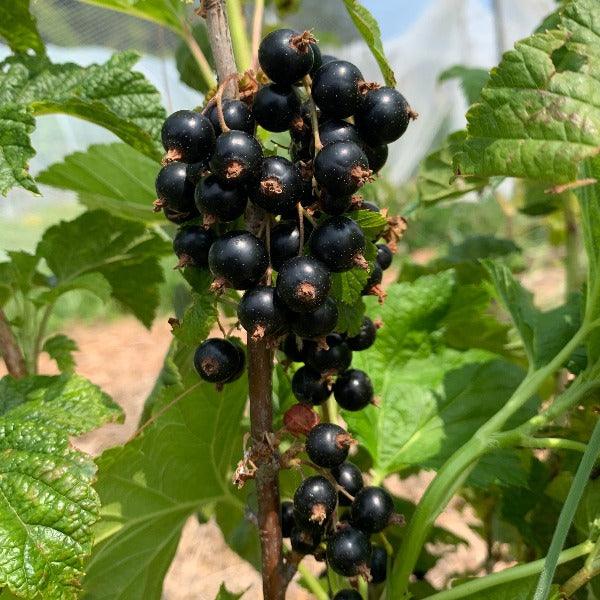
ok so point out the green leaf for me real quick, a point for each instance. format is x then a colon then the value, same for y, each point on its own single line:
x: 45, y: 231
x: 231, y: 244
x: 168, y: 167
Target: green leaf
x: 372, y: 223
x: 19, y: 274
x: 178, y: 464
x: 471, y: 80
x: 113, y: 177
x: 369, y: 30
x: 539, y: 115
x: 18, y: 27
x: 123, y: 252
x: 226, y: 595
x: 60, y: 348
x: 476, y: 247
x: 110, y: 95
x: 437, y: 179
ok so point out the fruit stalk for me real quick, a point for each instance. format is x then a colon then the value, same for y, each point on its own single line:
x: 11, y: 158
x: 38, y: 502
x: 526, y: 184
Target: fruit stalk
x: 9, y: 349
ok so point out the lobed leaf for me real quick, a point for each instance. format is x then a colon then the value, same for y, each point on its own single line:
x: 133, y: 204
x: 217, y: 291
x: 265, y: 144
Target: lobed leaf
x: 60, y: 348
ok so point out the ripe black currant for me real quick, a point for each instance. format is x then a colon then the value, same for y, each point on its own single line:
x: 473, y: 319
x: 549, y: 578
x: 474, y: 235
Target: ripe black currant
x: 219, y: 201
x: 303, y: 283
x: 384, y: 256
x: 278, y: 185
x: 293, y: 347
x: 336, y: 358
x: 286, y: 55
x: 305, y: 541
x: 236, y: 114
x: 316, y: 324
x: 353, y: 390
x: 377, y: 156
x: 238, y: 259
x: 378, y: 564
x: 309, y: 386
x: 365, y: 337
x: 338, y: 243
x: 342, y: 168
x: 335, y: 88
x: 327, y: 445
x: 314, y: 501
x: 285, y: 242
x: 286, y: 518
x: 338, y: 130
x: 191, y: 245
x: 347, y: 594
x: 196, y: 171
x: 188, y: 136
x: 275, y: 107
x: 383, y: 116
x: 348, y: 552
x: 261, y: 313
x: 175, y: 193
x: 237, y: 156
x: 350, y: 478
x: 334, y: 205
x: 371, y: 510
x: 374, y: 280
x: 217, y: 360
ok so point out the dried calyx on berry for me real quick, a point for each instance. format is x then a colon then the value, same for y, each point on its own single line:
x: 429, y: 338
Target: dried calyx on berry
x: 327, y: 445
x: 219, y: 361
x: 262, y: 314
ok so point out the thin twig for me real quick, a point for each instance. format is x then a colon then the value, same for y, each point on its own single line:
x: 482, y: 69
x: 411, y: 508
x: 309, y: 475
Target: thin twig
x: 198, y: 55
x: 10, y: 349
x: 300, y: 227
x: 314, y: 118
x: 257, y: 21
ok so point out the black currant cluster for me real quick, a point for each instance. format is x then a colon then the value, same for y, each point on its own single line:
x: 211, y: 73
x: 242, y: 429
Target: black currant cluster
x: 245, y: 215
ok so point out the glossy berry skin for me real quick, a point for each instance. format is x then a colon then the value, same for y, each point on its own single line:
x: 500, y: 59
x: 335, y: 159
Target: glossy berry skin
x: 278, y: 185
x: 191, y: 245
x: 384, y: 256
x: 335, y: 88
x: 220, y: 200
x: 305, y: 541
x: 353, y: 390
x: 189, y: 134
x: 347, y: 594
x: 334, y: 205
x: 383, y: 116
x: 314, y: 501
x: 375, y: 278
x: 348, y: 551
x: 293, y: 347
x: 316, y: 324
x: 285, y: 243
x: 377, y: 156
x: 176, y: 192
x: 282, y: 60
x: 337, y: 243
x: 286, y: 518
x: 236, y: 114
x: 378, y: 564
x: 370, y: 206
x: 337, y: 358
x: 327, y: 445
x: 303, y: 283
x: 309, y: 387
x: 261, y: 313
x: 365, y: 338
x: 371, y: 510
x: 338, y: 130
x: 350, y: 478
x: 239, y: 258
x: 341, y: 168
x: 236, y: 157
x: 317, y: 58
x: 217, y: 360
x: 275, y: 107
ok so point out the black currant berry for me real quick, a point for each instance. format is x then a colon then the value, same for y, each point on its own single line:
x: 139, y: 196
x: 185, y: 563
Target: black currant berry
x: 196, y: 171
x: 348, y: 552
x: 236, y: 158
x: 383, y: 116
x: 217, y: 360
x: 310, y: 387
x: 317, y: 58
x: 303, y: 283
x: 371, y: 510
x: 334, y: 205
x: 370, y: 206
x: 242, y: 356
x: 327, y: 445
x: 338, y: 130
x: 350, y: 478
x: 347, y: 594
x: 353, y: 390
x: 316, y: 324
x: 188, y: 136
x: 305, y: 541
x: 377, y: 156
x: 236, y: 114
x: 314, y: 501
x: 286, y: 518
x: 191, y: 245
x: 238, y: 259
x: 286, y: 55
x: 365, y: 337
x: 285, y: 243
x: 275, y: 107
x: 278, y: 185
x: 219, y: 201
x: 261, y: 313
x: 342, y: 168
x: 335, y: 88
x: 336, y: 358
x: 338, y: 243
x: 384, y: 256
x: 293, y: 347
x: 378, y: 564
x: 175, y: 193
x: 374, y: 280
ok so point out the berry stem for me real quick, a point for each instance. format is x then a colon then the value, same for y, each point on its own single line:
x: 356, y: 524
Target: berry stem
x: 257, y: 22
x: 300, y: 228
x: 314, y: 119
x: 10, y: 350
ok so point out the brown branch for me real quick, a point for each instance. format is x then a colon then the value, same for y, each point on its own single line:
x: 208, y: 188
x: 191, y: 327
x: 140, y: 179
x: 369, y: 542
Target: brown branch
x: 10, y: 350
